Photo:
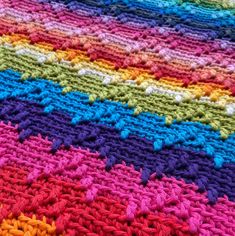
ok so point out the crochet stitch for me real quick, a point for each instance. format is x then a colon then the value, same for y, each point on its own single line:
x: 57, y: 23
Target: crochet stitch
x: 117, y: 117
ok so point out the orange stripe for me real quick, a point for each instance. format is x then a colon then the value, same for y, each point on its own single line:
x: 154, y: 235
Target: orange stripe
x: 139, y: 75
x: 26, y: 226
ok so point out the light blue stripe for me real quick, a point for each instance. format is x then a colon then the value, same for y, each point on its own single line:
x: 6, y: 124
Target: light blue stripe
x: 193, y: 135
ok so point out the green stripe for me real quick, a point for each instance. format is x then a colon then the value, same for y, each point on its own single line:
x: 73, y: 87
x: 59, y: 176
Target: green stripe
x: 160, y: 104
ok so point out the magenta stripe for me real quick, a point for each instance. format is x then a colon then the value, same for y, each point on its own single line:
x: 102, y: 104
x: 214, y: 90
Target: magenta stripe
x: 96, y: 26
x: 169, y: 196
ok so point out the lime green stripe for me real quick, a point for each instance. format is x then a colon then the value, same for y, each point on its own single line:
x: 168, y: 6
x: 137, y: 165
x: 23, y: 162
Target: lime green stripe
x: 163, y: 105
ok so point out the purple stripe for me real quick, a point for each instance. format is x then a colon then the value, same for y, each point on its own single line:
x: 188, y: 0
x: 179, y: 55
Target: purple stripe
x: 193, y: 167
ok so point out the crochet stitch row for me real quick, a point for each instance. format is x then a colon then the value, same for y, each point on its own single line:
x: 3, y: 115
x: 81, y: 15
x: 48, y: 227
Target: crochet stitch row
x: 117, y: 117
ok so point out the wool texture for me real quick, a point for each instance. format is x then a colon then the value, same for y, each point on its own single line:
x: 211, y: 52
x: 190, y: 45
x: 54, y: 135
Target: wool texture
x: 117, y: 117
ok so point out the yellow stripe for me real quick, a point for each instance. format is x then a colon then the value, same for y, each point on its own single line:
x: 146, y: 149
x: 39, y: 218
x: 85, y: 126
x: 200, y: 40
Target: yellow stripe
x: 26, y: 226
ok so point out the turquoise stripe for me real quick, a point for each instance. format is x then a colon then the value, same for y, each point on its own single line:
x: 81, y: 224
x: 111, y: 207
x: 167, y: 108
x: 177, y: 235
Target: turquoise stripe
x: 200, y: 13
x: 193, y: 135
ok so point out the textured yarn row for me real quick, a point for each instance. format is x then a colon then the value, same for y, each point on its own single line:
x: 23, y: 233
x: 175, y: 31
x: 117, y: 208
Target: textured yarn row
x: 117, y: 117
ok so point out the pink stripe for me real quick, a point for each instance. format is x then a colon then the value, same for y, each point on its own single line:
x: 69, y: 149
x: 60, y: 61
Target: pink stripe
x: 124, y: 31
x: 168, y: 196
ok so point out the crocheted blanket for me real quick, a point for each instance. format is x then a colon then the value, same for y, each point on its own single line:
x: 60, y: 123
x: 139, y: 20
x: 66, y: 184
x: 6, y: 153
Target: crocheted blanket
x: 117, y: 117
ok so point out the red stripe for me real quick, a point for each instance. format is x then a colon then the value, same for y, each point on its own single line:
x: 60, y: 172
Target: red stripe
x: 66, y: 204
x: 118, y: 59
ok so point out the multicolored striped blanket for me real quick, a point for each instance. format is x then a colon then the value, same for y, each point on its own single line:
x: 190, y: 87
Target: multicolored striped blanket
x: 117, y: 117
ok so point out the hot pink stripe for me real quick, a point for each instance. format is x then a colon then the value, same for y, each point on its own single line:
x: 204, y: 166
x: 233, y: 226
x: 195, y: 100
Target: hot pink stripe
x: 51, y: 17
x: 168, y: 195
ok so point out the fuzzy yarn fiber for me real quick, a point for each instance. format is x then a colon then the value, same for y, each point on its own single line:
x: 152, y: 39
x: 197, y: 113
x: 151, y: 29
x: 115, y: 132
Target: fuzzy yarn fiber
x: 117, y: 117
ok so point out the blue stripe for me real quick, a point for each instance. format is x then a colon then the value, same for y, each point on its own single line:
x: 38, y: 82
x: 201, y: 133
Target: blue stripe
x: 193, y: 135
